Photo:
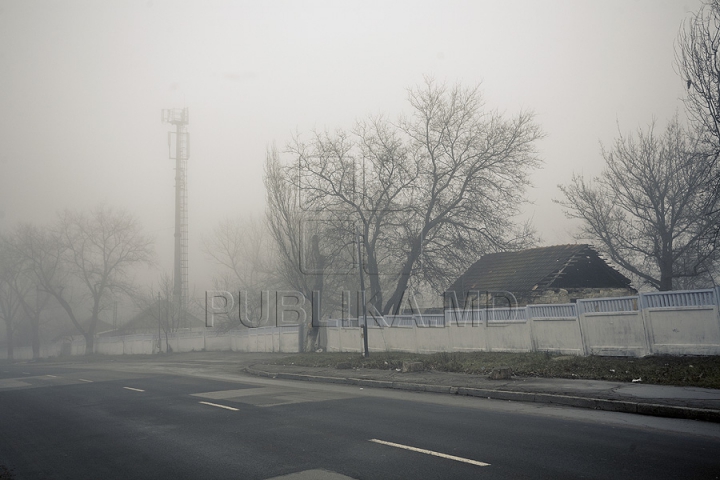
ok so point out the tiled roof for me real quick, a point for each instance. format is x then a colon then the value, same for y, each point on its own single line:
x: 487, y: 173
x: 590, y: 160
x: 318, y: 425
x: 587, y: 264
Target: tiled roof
x: 559, y: 266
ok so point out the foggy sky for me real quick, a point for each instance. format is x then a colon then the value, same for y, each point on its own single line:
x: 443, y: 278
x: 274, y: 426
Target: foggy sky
x: 82, y: 85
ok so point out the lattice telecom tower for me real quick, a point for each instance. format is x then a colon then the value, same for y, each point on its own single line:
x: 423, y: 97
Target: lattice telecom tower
x: 179, y: 145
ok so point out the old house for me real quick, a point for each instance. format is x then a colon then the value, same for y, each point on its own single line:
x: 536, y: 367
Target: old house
x: 556, y: 274
x: 161, y: 314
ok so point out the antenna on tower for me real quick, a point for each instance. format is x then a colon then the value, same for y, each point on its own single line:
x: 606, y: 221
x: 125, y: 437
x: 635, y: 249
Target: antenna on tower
x: 179, y: 146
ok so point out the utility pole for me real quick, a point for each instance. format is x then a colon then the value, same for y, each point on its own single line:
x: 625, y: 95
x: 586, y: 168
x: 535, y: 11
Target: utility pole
x: 366, y: 351
x: 180, y: 117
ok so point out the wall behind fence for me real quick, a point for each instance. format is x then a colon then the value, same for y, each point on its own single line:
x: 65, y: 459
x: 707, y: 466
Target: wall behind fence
x: 262, y: 339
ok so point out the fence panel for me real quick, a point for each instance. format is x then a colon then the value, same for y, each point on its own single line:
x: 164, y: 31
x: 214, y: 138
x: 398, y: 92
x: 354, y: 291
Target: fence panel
x: 430, y: 320
x: 402, y: 321
x: 506, y: 315
x: 565, y: 310
x: 455, y: 316
x: 607, y: 305
x: 614, y: 333
x: 680, y: 298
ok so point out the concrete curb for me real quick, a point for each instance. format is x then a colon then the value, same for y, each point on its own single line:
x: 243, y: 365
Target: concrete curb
x: 641, y: 408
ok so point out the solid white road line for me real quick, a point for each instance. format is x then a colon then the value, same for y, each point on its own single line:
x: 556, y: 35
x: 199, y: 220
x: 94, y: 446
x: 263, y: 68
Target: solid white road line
x: 133, y: 389
x: 83, y: 380
x: 430, y: 452
x: 220, y: 406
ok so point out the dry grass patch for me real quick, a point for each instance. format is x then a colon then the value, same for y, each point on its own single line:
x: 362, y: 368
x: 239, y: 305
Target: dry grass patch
x: 665, y: 370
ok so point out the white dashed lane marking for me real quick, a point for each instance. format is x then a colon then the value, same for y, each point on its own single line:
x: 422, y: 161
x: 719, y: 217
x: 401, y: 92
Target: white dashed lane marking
x: 430, y: 452
x: 83, y: 380
x: 220, y: 406
x: 134, y: 389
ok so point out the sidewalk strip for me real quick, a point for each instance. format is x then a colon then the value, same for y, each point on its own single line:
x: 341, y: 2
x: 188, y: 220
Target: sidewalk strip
x: 83, y: 380
x: 430, y: 452
x: 133, y: 389
x: 220, y: 406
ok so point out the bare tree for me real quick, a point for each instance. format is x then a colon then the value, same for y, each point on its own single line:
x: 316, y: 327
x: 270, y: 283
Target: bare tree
x: 243, y: 250
x: 311, y: 257
x: 12, y: 288
x: 240, y: 247
x: 98, y: 250
x: 35, y: 257
x: 156, y: 304
x: 428, y: 194
x: 305, y: 245
x: 698, y: 63
x: 648, y: 210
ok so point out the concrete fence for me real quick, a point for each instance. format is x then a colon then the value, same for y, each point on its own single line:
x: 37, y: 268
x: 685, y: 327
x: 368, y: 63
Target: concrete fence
x: 675, y: 323
x: 262, y: 339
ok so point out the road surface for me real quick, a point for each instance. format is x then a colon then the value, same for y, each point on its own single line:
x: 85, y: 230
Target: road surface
x: 194, y: 420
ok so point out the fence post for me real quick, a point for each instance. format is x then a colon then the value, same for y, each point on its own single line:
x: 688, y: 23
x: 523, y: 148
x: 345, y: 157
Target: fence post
x: 531, y: 323
x: 583, y: 338
x: 647, y: 322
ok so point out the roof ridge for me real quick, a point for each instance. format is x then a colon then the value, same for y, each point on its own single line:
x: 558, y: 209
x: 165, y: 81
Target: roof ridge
x: 555, y: 275
x: 530, y: 269
x: 547, y: 247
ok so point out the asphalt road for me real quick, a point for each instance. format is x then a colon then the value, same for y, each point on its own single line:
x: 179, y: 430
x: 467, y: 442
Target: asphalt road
x: 193, y: 420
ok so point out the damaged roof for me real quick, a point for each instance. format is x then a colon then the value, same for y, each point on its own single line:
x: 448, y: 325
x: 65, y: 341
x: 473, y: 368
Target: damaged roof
x: 558, y: 266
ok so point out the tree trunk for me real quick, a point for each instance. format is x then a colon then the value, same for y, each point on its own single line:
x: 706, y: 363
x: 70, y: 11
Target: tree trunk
x: 89, y: 343
x: 34, y: 317
x: 666, y: 272
x: 10, y: 342
x: 35, y: 328
x: 319, y: 284
x: 68, y: 309
x: 90, y: 335
x: 403, y: 280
